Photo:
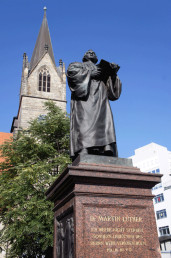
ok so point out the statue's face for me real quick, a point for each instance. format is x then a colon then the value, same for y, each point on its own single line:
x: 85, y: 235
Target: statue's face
x: 90, y: 55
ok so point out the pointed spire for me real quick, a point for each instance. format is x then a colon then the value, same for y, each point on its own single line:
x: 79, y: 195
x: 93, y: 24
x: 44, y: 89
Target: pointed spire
x: 43, y: 44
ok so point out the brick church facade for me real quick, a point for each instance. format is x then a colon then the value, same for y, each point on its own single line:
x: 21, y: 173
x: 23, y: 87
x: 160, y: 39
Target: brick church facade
x: 41, y: 81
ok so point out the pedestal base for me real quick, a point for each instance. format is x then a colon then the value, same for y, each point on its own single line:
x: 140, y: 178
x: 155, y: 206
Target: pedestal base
x: 104, y: 211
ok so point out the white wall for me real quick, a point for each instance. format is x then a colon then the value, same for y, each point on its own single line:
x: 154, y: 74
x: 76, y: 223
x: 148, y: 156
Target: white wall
x: 149, y: 158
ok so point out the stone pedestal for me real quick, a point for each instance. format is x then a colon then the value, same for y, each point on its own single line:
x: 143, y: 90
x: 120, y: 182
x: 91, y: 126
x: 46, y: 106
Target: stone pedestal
x: 103, y: 211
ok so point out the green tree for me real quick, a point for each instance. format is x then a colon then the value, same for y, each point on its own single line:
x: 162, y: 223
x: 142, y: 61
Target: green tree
x: 31, y: 160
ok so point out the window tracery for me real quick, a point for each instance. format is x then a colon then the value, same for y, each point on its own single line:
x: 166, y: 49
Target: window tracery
x: 44, y: 80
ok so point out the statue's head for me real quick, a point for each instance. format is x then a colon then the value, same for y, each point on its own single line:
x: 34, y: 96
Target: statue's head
x: 90, y: 55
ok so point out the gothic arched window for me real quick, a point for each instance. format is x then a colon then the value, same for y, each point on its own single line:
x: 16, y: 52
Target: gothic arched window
x: 44, y: 80
x: 40, y: 81
x: 48, y: 83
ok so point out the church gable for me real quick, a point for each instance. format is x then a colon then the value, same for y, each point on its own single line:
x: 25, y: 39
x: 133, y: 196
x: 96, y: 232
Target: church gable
x: 45, y: 82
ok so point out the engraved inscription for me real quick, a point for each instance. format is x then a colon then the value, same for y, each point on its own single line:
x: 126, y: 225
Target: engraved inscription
x: 114, y: 233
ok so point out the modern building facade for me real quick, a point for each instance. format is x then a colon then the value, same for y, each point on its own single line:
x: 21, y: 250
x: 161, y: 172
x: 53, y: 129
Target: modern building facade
x: 154, y: 158
x: 41, y: 81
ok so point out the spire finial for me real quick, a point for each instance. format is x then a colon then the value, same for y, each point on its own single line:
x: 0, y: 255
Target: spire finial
x: 45, y: 10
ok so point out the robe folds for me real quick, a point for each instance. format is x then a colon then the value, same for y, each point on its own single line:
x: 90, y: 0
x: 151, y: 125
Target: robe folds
x: 91, y: 122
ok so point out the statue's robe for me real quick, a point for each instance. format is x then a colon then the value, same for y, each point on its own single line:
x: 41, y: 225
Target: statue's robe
x: 91, y: 117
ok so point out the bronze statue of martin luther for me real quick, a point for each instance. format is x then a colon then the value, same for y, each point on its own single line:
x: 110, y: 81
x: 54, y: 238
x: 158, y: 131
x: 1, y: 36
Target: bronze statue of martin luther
x: 92, y: 86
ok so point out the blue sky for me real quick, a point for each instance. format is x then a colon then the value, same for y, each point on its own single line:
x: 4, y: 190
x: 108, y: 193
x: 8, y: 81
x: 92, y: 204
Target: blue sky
x: 134, y: 34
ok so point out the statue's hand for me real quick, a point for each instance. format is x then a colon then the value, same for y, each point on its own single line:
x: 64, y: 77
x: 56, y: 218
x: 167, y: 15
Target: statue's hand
x: 95, y: 74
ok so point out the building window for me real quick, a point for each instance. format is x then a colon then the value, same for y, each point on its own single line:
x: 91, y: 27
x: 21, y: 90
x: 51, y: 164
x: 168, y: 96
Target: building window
x: 159, y: 198
x: 157, y: 186
x: 157, y: 171
x: 40, y: 81
x: 48, y: 83
x: 44, y: 80
x: 167, y: 187
x: 164, y: 231
x: 161, y: 214
x: 55, y: 171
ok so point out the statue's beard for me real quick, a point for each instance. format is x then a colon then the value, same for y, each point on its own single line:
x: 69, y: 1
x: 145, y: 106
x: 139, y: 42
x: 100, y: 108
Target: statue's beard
x: 92, y: 59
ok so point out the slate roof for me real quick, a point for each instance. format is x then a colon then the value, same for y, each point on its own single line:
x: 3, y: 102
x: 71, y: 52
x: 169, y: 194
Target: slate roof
x: 43, y: 44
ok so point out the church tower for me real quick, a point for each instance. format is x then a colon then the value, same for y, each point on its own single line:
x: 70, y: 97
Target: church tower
x: 41, y: 81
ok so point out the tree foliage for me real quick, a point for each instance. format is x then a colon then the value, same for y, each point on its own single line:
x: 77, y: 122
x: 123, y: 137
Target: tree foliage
x: 25, y: 175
